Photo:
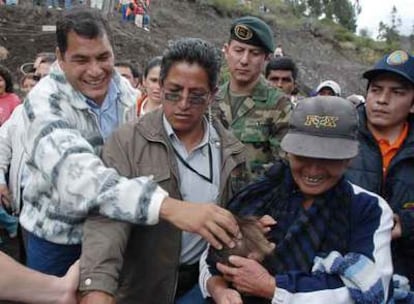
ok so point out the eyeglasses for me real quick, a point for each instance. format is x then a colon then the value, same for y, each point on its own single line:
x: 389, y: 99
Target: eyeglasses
x: 193, y: 98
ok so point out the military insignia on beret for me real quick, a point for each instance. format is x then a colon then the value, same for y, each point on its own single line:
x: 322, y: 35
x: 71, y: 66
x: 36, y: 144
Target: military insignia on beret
x: 243, y: 32
x: 397, y: 58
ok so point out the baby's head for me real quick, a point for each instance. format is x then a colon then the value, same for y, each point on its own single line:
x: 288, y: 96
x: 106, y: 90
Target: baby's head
x: 253, y: 243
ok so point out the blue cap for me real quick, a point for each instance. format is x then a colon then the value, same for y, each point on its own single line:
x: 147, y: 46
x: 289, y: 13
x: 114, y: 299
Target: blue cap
x: 398, y: 62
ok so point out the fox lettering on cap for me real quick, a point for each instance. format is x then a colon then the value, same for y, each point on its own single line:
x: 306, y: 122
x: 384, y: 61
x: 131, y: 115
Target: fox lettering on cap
x: 321, y: 121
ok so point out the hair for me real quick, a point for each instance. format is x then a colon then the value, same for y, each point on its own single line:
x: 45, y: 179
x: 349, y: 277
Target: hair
x: 7, y: 76
x: 193, y: 51
x: 129, y: 65
x: 134, y: 70
x: 154, y: 62
x: 85, y: 22
x: 282, y: 63
x: 253, y: 241
x: 401, y: 79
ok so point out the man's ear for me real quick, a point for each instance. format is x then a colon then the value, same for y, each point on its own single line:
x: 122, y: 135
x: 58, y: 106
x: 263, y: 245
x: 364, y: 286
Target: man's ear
x: 225, y: 50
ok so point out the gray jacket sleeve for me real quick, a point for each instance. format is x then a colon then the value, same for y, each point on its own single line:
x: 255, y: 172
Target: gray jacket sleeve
x: 103, y: 250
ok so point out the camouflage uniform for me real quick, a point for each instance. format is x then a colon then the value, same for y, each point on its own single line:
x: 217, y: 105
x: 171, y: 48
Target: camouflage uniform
x: 260, y: 122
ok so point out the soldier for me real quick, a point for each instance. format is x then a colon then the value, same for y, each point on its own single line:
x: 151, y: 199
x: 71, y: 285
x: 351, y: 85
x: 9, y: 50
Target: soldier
x: 256, y: 113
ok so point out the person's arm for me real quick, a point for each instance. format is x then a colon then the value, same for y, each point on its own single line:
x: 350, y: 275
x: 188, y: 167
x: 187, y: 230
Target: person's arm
x: 21, y: 284
x: 6, y: 150
x: 103, y: 246
x: 61, y: 154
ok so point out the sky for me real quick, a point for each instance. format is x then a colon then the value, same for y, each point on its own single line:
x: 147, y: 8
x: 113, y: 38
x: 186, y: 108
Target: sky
x: 374, y: 11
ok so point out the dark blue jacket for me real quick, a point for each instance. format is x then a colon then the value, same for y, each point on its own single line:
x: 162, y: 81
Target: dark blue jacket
x: 397, y: 187
x: 363, y: 222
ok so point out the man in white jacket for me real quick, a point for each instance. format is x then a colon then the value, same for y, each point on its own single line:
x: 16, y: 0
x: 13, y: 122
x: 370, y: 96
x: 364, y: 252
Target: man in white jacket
x: 68, y: 115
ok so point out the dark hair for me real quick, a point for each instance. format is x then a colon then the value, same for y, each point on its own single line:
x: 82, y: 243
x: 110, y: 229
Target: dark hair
x: 7, y: 76
x: 192, y: 50
x: 85, y: 22
x: 134, y: 70
x: 154, y: 62
x: 282, y: 63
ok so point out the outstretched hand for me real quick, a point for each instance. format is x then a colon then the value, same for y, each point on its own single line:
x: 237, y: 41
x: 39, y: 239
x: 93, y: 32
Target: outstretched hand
x: 215, y: 224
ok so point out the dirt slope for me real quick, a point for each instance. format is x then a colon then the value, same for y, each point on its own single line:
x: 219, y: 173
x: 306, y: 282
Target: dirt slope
x: 318, y: 58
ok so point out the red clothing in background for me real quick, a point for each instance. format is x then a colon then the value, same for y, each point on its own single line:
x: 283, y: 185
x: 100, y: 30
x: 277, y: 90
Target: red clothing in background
x: 8, y: 102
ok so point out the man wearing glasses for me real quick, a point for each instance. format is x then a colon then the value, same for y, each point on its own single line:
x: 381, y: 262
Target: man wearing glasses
x: 190, y: 155
x: 256, y: 113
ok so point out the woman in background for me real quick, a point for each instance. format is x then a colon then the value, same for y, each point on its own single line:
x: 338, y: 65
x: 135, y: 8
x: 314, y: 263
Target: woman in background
x: 8, y: 100
x: 151, y: 99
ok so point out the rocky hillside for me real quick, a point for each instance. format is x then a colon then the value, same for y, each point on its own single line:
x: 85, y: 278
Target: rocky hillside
x: 318, y: 55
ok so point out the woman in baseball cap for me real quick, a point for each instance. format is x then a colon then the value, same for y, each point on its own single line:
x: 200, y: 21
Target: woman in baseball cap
x: 332, y: 237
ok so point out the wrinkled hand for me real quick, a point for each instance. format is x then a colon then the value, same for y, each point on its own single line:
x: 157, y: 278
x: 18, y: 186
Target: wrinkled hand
x: 396, y: 230
x: 97, y: 297
x: 227, y: 296
x: 70, y: 284
x: 5, y: 195
x: 249, y: 277
x: 215, y: 224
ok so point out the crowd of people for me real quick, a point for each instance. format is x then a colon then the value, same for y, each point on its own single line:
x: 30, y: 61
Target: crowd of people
x: 136, y: 11
x: 171, y: 187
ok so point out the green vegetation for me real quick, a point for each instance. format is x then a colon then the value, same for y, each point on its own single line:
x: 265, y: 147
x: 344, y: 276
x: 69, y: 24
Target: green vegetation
x: 333, y: 20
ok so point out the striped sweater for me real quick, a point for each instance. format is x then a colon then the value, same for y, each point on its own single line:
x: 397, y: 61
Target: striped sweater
x: 67, y: 177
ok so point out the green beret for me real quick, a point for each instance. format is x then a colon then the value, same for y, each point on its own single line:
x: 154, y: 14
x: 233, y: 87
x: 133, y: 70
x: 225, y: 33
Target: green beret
x: 254, y: 31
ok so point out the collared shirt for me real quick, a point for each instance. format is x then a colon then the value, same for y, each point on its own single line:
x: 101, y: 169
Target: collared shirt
x: 107, y: 113
x: 193, y: 187
x: 388, y: 150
